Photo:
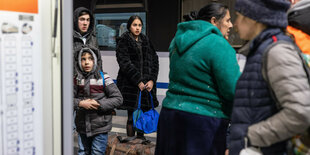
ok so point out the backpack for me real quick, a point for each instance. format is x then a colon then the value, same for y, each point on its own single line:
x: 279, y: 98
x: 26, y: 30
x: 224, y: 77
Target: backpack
x: 297, y: 141
x: 103, y: 83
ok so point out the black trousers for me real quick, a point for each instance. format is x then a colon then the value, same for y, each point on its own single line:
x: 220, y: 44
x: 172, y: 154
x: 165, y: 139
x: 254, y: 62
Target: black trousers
x: 129, y: 127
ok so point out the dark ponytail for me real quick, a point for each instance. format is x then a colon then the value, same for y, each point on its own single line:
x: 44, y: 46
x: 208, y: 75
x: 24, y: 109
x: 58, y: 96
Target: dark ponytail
x: 216, y: 10
x: 191, y: 16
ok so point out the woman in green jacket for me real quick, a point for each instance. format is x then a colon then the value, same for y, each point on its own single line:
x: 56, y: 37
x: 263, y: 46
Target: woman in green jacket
x: 203, y: 75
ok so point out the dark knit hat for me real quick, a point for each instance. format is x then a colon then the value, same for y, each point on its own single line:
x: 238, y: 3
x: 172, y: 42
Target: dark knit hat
x: 269, y: 12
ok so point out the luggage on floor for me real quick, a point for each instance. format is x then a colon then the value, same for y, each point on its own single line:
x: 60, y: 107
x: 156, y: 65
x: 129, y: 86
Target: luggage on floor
x: 135, y: 146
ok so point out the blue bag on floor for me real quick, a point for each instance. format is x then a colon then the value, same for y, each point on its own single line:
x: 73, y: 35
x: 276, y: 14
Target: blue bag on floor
x: 145, y: 122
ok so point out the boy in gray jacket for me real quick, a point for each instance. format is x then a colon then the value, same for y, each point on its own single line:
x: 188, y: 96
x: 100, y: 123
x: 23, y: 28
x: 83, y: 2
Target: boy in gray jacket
x: 95, y: 97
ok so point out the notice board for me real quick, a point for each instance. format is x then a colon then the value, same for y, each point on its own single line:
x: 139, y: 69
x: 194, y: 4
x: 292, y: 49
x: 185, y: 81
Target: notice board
x: 20, y: 78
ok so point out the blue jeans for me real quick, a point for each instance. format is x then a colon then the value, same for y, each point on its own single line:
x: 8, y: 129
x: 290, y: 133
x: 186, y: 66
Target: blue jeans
x: 95, y: 145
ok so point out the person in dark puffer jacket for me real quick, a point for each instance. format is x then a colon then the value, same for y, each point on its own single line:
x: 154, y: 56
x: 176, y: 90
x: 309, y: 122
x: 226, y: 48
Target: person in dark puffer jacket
x: 261, y: 122
x: 299, y: 28
x: 95, y: 97
x: 138, y: 70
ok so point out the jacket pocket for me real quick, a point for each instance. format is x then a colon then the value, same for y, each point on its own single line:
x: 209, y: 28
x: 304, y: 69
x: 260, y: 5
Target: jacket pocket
x: 101, y: 121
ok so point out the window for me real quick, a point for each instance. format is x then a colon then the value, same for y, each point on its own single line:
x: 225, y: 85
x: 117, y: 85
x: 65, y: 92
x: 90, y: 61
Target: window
x: 109, y: 26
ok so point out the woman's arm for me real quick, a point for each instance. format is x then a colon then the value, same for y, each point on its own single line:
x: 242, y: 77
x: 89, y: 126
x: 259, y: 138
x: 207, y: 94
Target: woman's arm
x: 154, y: 64
x: 125, y: 64
x: 225, y: 68
x: 289, y: 82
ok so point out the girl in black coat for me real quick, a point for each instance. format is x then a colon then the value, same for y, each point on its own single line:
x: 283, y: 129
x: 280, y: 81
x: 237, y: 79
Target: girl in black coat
x: 138, y: 63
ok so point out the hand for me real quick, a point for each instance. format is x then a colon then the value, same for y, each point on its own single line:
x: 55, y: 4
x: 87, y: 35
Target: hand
x: 141, y: 86
x: 89, y: 104
x: 227, y: 152
x: 149, y: 85
x: 94, y: 104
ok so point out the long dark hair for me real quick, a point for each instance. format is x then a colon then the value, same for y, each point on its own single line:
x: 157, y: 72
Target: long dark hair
x: 131, y: 19
x: 216, y: 10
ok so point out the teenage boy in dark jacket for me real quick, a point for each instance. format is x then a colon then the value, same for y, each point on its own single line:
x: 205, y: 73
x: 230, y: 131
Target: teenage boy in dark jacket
x: 84, y: 33
x: 95, y: 97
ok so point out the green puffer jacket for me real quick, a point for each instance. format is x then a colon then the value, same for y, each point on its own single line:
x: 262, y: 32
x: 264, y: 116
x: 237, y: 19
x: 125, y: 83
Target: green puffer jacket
x: 203, y: 71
